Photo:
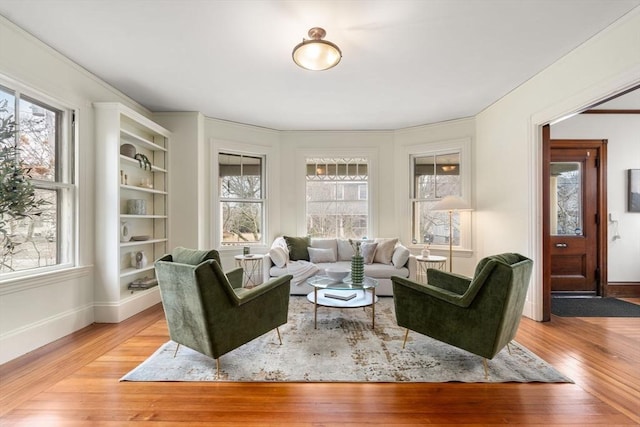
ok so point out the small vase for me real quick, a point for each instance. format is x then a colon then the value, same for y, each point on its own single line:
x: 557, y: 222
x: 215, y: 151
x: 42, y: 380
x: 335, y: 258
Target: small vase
x: 357, y: 269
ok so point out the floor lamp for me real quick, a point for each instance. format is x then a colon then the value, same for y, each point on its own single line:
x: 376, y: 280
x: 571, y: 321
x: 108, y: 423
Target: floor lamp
x: 450, y: 204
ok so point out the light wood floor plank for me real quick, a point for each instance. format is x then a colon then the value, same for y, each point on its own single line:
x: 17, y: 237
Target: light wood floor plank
x: 74, y: 382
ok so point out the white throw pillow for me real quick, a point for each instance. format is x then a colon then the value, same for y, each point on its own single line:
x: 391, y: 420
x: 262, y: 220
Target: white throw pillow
x: 368, y: 251
x: 400, y: 256
x: 318, y: 255
x: 279, y: 256
x: 384, y: 251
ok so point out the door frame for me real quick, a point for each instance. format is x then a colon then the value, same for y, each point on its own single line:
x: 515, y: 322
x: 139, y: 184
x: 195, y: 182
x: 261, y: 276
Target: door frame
x: 602, y: 225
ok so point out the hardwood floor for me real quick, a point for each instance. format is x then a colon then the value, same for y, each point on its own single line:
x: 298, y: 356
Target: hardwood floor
x: 74, y: 382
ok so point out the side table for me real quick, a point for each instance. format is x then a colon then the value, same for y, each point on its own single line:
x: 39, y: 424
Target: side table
x: 432, y: 261
x: 252, y: 266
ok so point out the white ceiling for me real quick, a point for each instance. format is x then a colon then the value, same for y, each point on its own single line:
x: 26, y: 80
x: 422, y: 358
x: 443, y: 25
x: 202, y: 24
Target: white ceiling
x: 405, y: 62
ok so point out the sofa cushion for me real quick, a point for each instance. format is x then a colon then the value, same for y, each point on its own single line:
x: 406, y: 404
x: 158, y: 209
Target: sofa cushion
x: 317, y: 255
x: 279, y: 256
x: 345, y: 250
x: 400, y: 256
x: 384, y: 271
x: 326, y: 244
x: 298, y: 248
x: 368, y: 251
x: 384, y: 251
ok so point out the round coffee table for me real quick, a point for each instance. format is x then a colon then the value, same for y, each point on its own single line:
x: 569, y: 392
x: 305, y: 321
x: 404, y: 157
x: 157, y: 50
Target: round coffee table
x: 342, y: 294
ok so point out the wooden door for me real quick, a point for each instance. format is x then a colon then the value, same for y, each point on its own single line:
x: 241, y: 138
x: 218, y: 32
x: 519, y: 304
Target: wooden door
x: 574, y: 184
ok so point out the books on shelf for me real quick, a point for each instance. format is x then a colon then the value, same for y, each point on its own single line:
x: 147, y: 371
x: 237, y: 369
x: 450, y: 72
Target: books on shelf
x: 342, y: 297
x: 144, y: 283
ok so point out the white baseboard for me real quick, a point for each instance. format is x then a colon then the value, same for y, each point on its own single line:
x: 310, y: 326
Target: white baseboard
x: 116, y: 312
x: 30, y: 337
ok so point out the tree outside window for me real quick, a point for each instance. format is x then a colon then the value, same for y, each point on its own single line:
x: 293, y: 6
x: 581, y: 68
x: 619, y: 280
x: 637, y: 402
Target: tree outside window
x: 434, y: 177
x: 337, y: 197
x: 31, y: 234
x: 241, y: 189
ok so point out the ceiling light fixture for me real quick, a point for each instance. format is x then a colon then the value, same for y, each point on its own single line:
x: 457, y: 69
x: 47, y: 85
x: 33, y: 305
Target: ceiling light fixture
x: 316, y: 54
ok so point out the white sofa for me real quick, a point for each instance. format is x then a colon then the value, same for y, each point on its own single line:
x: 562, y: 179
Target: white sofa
x: 390, y: 258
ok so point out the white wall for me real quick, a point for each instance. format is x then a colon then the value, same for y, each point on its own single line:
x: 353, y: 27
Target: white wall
x: 623, y: 153
x: 38, y: 310
x: 506, y: 168
x: 508, y: 150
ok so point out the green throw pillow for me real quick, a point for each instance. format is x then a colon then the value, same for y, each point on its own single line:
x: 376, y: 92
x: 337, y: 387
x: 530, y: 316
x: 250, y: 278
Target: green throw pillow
x: 298, y: 248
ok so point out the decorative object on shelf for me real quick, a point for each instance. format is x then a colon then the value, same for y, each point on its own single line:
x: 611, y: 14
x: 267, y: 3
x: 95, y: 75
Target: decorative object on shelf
x: 128, y: 150
x: 143, y: 283
x: 357, y: 264
x: 143, y: 161
x: 137, y: 207
x: 140, y: 238
x: 145, y: 183
x: 316, y: 54
x: 450, y: 204
x: 138, y: 259
x: 124, y: 232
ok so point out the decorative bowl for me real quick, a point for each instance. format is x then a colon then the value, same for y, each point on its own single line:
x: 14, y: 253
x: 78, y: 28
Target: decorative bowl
x: 337, y: 274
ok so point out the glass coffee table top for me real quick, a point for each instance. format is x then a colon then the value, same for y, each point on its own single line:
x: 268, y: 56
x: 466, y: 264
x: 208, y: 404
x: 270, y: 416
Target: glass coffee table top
x: 342, y: 294
x: 325, y: 282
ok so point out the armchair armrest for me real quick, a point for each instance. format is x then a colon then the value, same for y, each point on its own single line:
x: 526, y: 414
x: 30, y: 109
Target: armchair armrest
x: 243, y: 295
x: 432, y: 291
x: 453, y: 282
x: 235, y: 277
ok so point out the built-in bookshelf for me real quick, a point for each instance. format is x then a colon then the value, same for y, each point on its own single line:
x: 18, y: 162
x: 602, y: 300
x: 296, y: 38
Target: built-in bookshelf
x: 132, y: 208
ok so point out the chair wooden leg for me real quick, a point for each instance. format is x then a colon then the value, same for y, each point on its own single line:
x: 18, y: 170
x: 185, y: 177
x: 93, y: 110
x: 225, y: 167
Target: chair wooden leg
x: 486, y: 368
x: 176, y: 352
x: 406, y: 335
x: 279, y: 338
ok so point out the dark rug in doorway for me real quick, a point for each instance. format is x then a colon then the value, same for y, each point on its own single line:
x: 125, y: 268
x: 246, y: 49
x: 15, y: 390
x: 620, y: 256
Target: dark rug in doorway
x: 593, y: 307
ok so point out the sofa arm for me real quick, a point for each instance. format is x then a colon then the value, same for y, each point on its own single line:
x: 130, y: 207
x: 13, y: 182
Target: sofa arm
x: 266, y: 267
x: 412, y: 265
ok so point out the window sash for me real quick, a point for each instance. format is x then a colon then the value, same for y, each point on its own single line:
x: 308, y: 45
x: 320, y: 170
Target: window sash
x: 335, y: 206
x: 45, y: 246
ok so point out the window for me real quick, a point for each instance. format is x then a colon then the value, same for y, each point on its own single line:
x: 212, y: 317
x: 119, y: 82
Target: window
x: 37, y: 215
x: 242, y: 200
x: 336, y: 194
x: 434, y: 177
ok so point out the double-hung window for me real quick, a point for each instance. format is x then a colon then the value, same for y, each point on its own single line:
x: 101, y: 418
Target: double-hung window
x: 38, y: 193
x: 242, y: 198
x: 435, y: 176
x: 337, y: 202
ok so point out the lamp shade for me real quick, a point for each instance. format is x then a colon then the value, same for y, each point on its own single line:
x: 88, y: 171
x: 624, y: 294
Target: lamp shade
x: 316, y: 54
x: 451, y: 203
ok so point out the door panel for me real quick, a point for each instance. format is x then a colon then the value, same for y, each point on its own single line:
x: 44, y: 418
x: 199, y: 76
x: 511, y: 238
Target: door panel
x: 573, y: 217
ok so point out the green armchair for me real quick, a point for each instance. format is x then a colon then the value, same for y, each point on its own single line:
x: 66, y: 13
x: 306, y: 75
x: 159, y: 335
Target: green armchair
x: 480, y: 315
x: 209, y: 311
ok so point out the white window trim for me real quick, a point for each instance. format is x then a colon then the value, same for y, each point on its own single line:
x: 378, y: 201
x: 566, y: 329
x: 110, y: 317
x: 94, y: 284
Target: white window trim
x: 371, y: 154
x: 232, y: 147
x: 463, y: 146
x: 69, y: 175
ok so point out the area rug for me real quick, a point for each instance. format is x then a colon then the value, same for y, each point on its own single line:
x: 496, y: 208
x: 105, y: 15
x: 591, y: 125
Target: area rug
x: 593, y: 307
x: 344, y: 348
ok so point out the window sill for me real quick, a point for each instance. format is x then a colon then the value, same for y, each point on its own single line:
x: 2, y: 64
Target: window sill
x: 37, y: 280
